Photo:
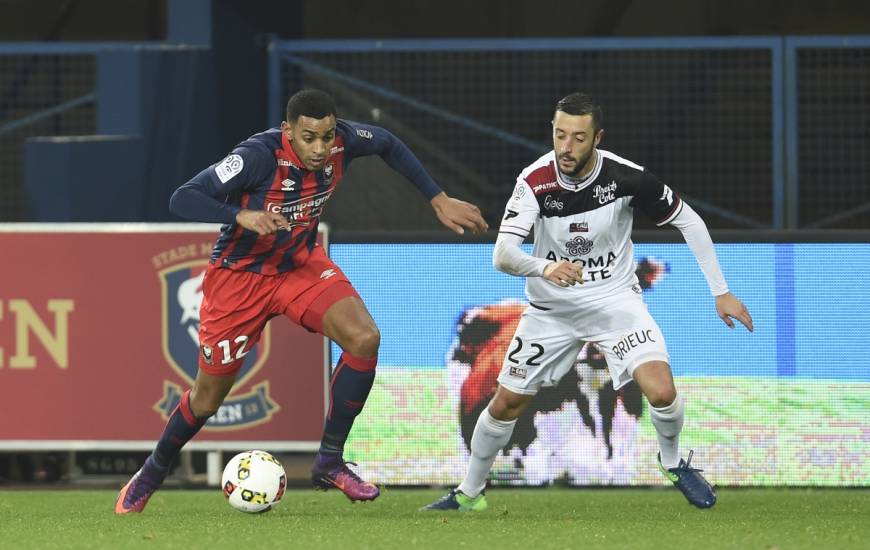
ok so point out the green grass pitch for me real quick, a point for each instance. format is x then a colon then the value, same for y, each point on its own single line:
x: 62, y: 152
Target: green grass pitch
x: 527, y: 519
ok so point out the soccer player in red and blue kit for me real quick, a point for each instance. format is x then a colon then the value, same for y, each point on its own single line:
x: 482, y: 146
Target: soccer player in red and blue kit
x: 269, y: 192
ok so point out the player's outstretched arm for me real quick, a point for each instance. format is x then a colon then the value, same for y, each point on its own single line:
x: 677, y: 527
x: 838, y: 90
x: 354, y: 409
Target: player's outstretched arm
x: 695, y: 232
x: 728, y: 306
x: 458, y: 215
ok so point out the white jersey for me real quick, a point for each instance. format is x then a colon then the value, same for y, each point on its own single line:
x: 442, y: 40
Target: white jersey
x: 588, y: 223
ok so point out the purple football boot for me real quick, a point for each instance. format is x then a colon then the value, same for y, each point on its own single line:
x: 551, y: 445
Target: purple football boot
x: 135, y: 494
x: 332, y: 471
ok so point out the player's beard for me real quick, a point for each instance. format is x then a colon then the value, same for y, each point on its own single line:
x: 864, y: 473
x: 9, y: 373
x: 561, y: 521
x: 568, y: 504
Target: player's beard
x: 580, y: 166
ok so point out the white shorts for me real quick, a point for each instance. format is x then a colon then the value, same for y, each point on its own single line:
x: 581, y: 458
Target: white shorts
x: 547, y: 342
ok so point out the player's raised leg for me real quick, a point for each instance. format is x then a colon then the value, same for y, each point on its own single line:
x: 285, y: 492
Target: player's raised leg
x: 194, y: 408
x: 666, y: 411
x: 347, y: 322
x: 491, y: 433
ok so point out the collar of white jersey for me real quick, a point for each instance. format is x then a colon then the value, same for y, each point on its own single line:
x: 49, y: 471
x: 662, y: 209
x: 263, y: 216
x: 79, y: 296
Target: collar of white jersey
x: 571, y: 186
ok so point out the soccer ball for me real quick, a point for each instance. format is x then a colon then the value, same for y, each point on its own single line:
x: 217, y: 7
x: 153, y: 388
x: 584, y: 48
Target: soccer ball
x: 254, y: 481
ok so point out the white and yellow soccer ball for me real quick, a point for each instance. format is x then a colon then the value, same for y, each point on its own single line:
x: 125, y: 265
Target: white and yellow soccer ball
x: 254, y: 481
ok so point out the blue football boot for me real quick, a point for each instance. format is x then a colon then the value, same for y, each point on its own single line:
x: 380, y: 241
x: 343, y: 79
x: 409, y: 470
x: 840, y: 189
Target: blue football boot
x: 696, y: 489
x: 457, y: 500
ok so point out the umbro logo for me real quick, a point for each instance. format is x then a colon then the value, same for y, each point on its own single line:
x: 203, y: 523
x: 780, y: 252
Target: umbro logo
x: 328, y: 273
x: 287, y: 185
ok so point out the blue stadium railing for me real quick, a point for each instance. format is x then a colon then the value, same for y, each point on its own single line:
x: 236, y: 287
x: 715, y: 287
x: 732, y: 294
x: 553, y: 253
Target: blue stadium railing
x: 785, y: 118
x: 793, y: 187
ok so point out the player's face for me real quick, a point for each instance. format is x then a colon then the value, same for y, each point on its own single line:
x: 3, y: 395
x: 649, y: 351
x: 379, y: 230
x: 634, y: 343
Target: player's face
x: 574, y: 139
x: 311, y: 139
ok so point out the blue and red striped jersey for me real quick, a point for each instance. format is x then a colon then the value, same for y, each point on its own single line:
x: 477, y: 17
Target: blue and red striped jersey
x: 264, y: 173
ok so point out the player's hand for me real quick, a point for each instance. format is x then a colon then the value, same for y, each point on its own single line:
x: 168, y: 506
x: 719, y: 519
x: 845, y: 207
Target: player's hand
x: 261, y: 221
x: 458, y: 215
x: 564, y: 273
x: 728, y: 306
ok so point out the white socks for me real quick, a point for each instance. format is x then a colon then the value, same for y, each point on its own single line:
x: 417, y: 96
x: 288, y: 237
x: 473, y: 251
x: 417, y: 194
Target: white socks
x: 668, y: 422
x: 490, y: 437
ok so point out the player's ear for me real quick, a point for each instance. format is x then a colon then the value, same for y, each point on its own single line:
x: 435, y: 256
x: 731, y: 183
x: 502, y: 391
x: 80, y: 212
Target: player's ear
x: 287, y: 128
x: 598, y: 135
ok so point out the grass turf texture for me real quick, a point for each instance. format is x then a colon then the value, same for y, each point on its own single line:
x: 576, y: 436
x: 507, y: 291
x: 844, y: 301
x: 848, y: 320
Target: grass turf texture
x: 551, y: 518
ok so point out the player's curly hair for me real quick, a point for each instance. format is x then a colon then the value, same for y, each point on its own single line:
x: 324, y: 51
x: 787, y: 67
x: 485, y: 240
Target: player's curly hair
x: 579, y: 103
x: 311, y: 103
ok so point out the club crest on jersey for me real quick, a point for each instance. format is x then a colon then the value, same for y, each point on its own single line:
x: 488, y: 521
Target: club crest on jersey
x: 579, y: 246
x: 181, y: 290
x: 207, y: 354
x: 578, y: 227
x: 328, y: 173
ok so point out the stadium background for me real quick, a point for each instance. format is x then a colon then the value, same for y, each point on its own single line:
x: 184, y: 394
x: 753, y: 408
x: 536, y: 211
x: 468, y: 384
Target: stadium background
x: 759, y: 121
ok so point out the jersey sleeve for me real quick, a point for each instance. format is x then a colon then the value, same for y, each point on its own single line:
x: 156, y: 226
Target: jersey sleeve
x: 521, y: 211
x: 655, y: 199
x: 519, y: 217
x: 244, y: 168
x: 364, y: 139
x: 208, y: 196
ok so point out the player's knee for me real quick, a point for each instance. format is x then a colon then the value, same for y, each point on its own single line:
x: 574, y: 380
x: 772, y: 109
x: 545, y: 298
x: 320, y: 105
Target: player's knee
x: 364, y: 342
x: 661, y: 396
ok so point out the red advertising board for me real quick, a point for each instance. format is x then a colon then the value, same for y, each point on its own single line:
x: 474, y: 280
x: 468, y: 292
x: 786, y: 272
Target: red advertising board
x: 98, y: 338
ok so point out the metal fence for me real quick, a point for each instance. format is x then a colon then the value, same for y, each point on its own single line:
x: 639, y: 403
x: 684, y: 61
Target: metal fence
x: 755, y: 132
x: 830, y: 106
x: 45, y: 90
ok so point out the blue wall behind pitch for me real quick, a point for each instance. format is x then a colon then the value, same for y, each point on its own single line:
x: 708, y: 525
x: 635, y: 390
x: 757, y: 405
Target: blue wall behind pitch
x: 416, y: 292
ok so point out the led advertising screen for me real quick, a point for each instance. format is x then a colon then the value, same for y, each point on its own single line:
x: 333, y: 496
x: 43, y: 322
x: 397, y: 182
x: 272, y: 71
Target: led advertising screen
x: 786, y: 405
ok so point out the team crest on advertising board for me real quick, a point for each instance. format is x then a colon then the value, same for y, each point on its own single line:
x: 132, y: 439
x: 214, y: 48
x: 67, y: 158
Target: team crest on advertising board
x: 181, y: 297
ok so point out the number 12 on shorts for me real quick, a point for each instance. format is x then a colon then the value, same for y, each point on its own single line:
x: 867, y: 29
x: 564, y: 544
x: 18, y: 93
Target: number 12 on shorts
x: 227, y: 352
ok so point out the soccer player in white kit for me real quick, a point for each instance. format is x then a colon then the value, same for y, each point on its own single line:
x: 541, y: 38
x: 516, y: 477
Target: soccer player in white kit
x: 581, y: 286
